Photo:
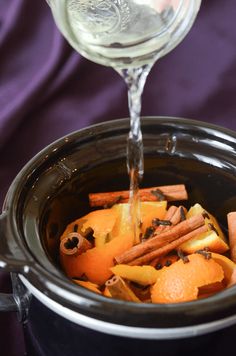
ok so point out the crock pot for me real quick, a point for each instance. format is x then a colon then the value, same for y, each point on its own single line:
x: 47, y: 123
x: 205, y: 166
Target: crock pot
x: 52, y: 190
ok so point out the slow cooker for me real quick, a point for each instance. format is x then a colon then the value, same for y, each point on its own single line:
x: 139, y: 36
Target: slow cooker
x: 61, y: 318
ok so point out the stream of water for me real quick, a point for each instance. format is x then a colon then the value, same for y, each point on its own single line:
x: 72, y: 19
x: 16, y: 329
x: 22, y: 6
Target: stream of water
x: 135, y: 79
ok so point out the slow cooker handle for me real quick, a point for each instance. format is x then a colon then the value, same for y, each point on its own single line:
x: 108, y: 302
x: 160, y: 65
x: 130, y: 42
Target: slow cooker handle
x: 12, y: 258
x: 8, y: 303
x: 12, y: 262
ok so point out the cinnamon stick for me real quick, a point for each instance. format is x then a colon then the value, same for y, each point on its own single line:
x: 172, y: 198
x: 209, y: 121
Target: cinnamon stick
x: 74, y: 243
x: 119, y: 289
x: 168, y: 192
x: 160, y: 240
x: 168, y: 216
x: 174, y: 216
x: 231, y: 219
x: 162, y: 251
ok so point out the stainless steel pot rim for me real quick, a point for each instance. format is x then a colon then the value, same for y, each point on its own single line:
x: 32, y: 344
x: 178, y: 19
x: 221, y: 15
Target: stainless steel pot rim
x: 128, y: 331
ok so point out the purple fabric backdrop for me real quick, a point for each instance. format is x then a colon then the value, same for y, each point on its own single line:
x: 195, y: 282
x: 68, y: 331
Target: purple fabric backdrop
x: 48, y: 90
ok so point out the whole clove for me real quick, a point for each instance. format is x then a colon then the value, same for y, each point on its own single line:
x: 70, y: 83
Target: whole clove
x: 158, y: 194
x: 205, y: 252
x: 183, y: 257
x: 159, y: 222
x: 149, y: 232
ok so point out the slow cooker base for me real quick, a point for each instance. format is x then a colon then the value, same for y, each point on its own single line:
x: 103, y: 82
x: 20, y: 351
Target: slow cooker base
x: 48, y: 334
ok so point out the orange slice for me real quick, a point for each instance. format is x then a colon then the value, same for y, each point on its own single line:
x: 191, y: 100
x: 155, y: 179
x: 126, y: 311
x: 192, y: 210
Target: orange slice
x: 150, y: 211
x: 143, y: 275
x: 227, y: 265
x: 100, y: 221
x: 106, y: 293
x: 213, y: 239
x: 86, y: 284
x: 232, y: 280
x: 123, y: 222
x: 96, y: 262
x: 180, y: 281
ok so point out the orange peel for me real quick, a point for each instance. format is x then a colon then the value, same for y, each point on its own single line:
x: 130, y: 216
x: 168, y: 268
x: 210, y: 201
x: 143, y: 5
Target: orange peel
x: 180, y: 281
x: 227, y: 265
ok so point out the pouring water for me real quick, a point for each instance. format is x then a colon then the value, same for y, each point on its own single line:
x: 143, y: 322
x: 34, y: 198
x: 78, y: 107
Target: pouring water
x: 130, y: 36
